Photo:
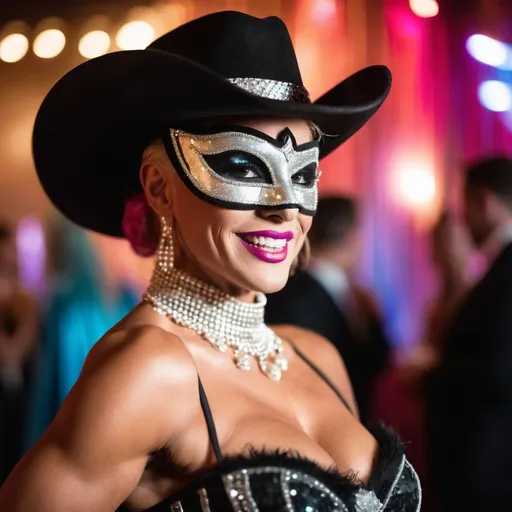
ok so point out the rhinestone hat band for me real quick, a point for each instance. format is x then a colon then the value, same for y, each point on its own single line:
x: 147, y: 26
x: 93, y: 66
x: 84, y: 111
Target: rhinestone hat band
x: 220, y: 319
x: 272, y: 89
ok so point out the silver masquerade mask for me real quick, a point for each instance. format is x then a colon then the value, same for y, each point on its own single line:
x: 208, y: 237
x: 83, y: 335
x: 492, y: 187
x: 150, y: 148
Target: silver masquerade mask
x: 242, y: 168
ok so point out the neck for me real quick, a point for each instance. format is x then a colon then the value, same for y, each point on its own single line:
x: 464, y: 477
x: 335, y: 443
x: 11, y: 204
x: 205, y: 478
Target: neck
x: 218, y: 317
x: 189, y: 266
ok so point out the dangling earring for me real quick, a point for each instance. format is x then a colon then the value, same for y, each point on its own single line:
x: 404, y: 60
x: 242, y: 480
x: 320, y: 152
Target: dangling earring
x: 165, y: 254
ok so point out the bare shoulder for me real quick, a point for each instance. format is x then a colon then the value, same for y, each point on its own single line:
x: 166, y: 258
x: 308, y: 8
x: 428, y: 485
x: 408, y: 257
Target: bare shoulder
x: 323, y: 354
x: 127, y: 377
x: 139, y: 349
x: 132, y: 397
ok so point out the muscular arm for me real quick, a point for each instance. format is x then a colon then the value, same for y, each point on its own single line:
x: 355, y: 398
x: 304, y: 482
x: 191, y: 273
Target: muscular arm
x: 93, y: 454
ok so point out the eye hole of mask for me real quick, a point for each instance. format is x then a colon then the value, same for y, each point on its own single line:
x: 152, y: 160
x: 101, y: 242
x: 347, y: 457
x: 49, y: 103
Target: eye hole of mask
x: 239, y: 166
x: 306, y: 176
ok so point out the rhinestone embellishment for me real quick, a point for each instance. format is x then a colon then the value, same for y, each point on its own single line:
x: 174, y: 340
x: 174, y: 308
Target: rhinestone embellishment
x: 273, y: 89
x: 224, y: 321
x: 291, y: 484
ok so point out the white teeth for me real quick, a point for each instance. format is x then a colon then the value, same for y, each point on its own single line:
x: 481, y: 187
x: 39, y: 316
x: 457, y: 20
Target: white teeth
x: 266, y: 242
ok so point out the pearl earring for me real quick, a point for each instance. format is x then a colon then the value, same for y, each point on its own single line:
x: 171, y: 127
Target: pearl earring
x: 165, y: 255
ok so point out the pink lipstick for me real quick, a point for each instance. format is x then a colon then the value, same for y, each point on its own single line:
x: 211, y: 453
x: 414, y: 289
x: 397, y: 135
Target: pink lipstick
x: 266, y: 245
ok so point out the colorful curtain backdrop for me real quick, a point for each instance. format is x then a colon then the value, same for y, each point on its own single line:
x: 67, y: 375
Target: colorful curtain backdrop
x: 404, y: 166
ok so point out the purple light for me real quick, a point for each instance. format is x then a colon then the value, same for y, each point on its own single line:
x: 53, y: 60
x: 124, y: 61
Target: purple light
x: 31, y: 254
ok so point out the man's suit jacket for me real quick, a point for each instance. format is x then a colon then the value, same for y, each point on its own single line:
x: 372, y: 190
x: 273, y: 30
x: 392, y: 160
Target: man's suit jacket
x: 304, y: 302
x: 470, y: 399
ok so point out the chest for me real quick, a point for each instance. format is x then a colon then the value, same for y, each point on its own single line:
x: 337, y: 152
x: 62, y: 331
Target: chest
x: 308, y: 421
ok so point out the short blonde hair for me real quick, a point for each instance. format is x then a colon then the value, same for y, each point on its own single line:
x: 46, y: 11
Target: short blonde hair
x: 155, y: 152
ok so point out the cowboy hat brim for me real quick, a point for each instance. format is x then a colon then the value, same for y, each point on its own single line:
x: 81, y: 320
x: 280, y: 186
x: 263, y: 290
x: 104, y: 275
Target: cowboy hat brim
x: 93, y: 125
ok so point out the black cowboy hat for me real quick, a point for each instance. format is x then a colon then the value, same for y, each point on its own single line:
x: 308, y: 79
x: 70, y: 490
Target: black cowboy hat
x: 93, y: 125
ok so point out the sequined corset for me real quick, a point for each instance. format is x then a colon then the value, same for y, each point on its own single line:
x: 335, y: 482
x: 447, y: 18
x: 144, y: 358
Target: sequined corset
x: 277, y: 482
x: 287, y: 482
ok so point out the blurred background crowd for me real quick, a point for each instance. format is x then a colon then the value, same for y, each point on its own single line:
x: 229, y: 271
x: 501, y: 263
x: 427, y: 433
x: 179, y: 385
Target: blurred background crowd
x: 411, y: 269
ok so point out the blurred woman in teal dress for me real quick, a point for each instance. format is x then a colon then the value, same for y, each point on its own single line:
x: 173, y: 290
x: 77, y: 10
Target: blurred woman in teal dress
x: 82, y: 305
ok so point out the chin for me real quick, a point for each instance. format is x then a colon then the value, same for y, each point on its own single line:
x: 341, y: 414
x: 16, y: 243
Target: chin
x: 270, y: 281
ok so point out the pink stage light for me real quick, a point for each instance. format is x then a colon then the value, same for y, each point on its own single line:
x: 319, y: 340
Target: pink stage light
x: 416, y: 184
x: 424, y: 8
x: 324, y: 10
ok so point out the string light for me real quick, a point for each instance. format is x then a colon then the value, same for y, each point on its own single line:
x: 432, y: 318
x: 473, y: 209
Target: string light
x: 13, y: 47
x: 94, y: 43
x: 135, y: 35
x: 424, y: 8
x: 49, y: 43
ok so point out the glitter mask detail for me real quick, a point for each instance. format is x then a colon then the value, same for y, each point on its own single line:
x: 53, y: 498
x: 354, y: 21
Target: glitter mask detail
x: 220, y: 319
x: 283, y: 159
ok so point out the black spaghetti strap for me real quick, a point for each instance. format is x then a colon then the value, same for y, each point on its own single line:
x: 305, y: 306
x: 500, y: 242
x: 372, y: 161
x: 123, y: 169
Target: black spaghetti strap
x: 321, y: 374
x: 208, y: 416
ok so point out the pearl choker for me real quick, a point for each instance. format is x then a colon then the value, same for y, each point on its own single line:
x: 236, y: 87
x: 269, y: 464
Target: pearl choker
x: 219, y: 318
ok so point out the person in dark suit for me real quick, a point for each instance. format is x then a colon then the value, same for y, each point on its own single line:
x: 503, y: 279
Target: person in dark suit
x: 470, y: 392
x: 324, y: 298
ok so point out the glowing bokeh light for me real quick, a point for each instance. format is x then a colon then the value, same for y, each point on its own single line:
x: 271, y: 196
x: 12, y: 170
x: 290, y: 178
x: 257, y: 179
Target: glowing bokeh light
x: 49, y: 43
x: 135, y: 35
x: 417, y: 184
x: 324, y: 10
x: 94, y: 43
x: 31, y: 245
x: 495, y: 95
x: 424, y: 8
x: 13, y: 48
x: 487, y: 50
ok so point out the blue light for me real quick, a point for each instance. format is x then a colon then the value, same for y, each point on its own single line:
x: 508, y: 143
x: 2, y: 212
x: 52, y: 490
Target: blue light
x: 489, y: 51
x: 495, y: 95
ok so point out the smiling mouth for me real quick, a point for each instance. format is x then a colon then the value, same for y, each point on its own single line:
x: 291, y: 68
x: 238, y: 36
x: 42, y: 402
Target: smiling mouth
x: 265, y: 243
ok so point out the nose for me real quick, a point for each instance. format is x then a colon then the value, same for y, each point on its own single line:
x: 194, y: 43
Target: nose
x: 279, y: 215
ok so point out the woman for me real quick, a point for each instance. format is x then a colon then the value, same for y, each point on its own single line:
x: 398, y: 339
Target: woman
x: 191, y: 402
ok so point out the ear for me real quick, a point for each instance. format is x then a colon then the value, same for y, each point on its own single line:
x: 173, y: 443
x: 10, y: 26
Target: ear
x: 154, y: 179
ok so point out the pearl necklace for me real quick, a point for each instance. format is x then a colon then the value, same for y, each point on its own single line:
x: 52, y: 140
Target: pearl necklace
x: 217, y: 317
